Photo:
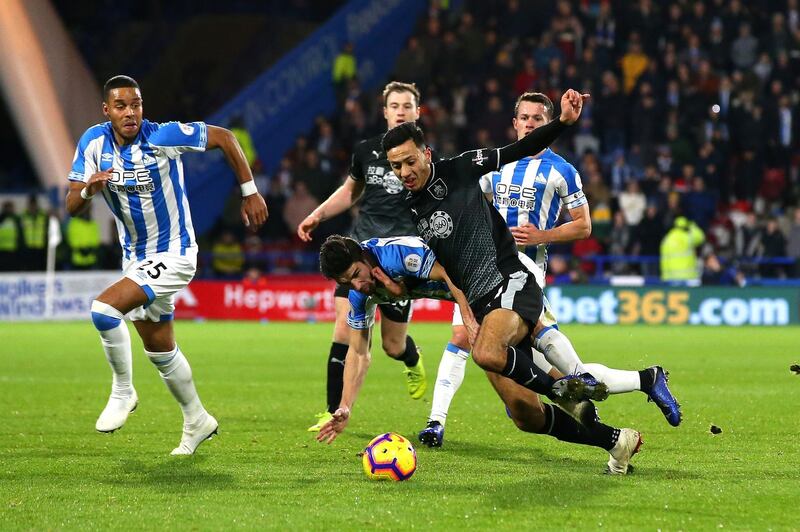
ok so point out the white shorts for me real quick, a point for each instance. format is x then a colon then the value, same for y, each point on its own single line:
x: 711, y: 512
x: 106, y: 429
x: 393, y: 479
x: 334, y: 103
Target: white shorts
x: 160, y: 275
x: 547, y: 318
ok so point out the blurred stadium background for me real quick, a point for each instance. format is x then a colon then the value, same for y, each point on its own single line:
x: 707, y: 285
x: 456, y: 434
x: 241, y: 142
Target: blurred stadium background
x: 693, y: 114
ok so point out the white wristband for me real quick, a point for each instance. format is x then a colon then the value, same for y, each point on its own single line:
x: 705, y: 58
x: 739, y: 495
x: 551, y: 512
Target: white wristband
x: 249, y: 188
x: 85, y: 195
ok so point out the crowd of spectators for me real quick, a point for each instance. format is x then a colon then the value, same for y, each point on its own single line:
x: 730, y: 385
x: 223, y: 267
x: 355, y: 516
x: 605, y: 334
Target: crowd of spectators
x: 693, y: 113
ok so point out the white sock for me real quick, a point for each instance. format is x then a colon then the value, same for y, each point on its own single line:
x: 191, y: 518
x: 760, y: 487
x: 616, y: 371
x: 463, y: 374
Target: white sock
x: 448, y: 380
x: 617, y: 380
x: 539, y: 360
x: 177, y: 375
x: 116, y: 341
x: 558, y: 350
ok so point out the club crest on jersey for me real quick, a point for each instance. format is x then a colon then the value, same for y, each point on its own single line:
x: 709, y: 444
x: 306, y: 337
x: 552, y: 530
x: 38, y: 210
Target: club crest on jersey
x: 441, y: 224
x: 438, y: 189
x: 147, y: 160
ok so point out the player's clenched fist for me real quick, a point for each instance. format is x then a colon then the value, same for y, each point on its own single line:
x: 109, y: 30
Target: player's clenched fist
x: 571, y: 105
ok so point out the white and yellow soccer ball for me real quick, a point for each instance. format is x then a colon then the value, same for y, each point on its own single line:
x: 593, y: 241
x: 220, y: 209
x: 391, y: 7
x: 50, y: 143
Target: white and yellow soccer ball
x: 389, y: 457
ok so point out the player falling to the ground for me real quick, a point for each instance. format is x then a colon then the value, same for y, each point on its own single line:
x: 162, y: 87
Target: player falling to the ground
x: 135, y: 165
x: 478, y: 252
x: 383, y: 269
x: 529, y: 194
x: 382, y: 213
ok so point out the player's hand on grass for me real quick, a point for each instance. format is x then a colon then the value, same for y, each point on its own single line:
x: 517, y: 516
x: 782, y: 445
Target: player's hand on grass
x: 307, y: 225
x: 335, y: 426
x: 528, y: 235
x: 571, y: 106
x: 254, y: 211
x: 98, y: 181
x: 392, y: 286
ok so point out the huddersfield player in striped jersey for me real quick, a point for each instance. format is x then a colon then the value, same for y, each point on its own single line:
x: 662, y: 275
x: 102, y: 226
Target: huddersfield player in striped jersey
x: 135, y: 165
x: 529, y: 194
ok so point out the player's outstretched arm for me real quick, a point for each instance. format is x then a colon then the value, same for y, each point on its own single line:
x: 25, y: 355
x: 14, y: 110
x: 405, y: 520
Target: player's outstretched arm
x: 356, y: 365
x: 80, y: 194
x: 342, y: 199
x: 254, y: 208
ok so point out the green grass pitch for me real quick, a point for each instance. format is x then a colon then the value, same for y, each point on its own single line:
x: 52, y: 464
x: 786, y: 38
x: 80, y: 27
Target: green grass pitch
x: 264, y: 382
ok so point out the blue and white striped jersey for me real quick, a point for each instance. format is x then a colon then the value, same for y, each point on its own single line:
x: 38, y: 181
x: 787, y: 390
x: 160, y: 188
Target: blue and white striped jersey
x: 147, y: 193
x: 533, y: 190
x: 407, y: 259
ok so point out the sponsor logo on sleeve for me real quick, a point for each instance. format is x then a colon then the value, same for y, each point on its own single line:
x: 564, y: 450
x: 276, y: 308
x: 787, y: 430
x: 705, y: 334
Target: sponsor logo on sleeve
x: 479, y: 158
x: 187, y: 129
x: 412, y: 262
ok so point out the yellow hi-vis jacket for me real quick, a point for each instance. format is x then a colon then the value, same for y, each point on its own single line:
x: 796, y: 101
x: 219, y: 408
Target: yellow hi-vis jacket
x: 9, y: 234
x: 34, y: 229
x: 84, y: 240
x: 678, y: 259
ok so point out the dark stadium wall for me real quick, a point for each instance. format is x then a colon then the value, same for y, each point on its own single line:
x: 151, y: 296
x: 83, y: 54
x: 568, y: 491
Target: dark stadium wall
x: 284, y: 101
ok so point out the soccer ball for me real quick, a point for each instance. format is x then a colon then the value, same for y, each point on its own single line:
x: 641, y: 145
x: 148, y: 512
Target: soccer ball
x: 389, y: 456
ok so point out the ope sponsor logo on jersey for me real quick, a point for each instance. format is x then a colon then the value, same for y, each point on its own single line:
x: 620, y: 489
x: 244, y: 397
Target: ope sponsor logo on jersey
x: 131, y: 181
x: 526, y: 196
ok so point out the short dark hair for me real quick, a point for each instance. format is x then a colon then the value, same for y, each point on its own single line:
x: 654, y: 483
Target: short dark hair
x: 535, y: 97
x: 401, y: 133
x: 399, y: 86
x: 337, y: 254
x: 118, y: 82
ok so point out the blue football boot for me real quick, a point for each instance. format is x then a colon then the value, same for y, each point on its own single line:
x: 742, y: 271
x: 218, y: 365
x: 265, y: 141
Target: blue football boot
x: 663, y: 398
x: 579, y: 387
x: 432, y: 435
